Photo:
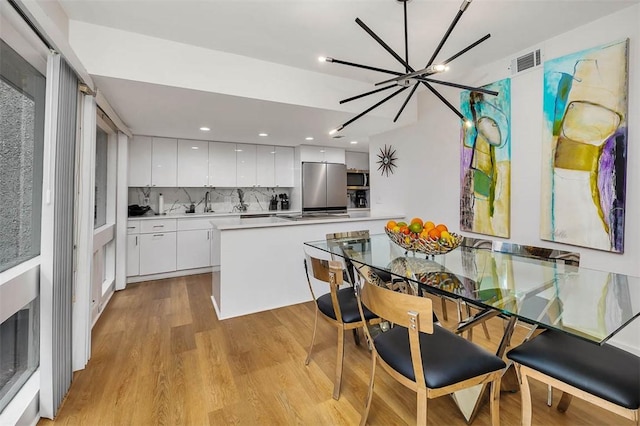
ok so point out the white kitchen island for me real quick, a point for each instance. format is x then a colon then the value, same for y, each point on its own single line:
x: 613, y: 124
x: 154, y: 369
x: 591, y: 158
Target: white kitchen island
x: 261, y: 259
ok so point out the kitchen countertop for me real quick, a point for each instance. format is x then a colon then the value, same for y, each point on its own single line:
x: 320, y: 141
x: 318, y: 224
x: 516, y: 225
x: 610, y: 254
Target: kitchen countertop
x: 237, y: 223
x: 201, y: 215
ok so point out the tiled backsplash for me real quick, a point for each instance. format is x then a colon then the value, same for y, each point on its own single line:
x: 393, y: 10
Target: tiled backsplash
x: 223, y: 200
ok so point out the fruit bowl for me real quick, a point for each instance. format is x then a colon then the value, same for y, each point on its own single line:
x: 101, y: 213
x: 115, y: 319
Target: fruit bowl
x: 427, y: 246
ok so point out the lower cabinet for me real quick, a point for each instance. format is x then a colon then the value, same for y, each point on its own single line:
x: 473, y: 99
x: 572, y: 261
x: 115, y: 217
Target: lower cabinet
x: 133, y: 255
x: 157, y: 253
x: 193, y: 249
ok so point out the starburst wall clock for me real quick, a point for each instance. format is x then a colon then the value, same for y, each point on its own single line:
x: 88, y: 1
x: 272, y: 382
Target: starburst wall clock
x: 386, y: 160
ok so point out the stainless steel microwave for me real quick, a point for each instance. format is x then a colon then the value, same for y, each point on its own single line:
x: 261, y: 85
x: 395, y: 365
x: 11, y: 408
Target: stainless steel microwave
x: 357, y: 179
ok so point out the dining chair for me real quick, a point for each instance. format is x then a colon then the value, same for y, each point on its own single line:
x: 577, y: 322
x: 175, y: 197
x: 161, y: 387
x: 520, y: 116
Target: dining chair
x: 338, y: 307
x: 601, y: 374
x: 427, y: 358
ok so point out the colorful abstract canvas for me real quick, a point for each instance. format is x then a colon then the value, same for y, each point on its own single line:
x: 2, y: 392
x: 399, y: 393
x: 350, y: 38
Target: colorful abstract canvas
x: 584, y: 148
x: 485, y: 161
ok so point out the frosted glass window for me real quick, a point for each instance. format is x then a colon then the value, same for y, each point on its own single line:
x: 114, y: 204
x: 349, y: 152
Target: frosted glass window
x: 100, y: 216
x: 22, y: 92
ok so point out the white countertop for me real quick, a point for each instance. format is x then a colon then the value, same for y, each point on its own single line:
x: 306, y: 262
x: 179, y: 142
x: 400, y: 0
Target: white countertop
x: 233, y: 223
x: 212, y: 215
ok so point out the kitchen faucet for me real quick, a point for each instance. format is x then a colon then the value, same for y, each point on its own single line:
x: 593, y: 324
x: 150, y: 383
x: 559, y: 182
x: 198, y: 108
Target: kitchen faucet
x: 207, y: 202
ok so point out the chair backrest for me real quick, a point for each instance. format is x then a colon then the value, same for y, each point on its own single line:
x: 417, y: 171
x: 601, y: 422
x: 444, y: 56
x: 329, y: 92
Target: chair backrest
x: 338, y: 240
x: 328, y: 271
x: 412, y: 312
x: 553, y: 255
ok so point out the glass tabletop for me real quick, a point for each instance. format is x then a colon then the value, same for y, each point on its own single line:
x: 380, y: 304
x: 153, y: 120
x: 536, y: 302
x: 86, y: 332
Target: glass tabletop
x: 587, y: 303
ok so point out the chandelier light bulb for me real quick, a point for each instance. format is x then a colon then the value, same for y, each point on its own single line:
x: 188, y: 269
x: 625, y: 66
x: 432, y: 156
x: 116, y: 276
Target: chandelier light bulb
x: 322, y: 59
x: 468, y: 123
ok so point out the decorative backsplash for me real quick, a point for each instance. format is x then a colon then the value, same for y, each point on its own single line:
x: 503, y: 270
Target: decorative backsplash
x: 223, y: 200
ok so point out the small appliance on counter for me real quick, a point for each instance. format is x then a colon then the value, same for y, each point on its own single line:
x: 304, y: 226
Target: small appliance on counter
x: 284, y: 202
x: 273, y: 203
x: 136, y: 210
x: 361, y: 199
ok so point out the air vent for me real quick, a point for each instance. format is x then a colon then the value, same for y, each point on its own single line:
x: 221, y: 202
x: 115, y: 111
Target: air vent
x: 526, y: 62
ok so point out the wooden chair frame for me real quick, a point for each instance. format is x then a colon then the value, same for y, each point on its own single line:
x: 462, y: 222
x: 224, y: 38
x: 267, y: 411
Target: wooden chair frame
x: 330, y: 272
x: 569, y: 391
x: 415, y: 314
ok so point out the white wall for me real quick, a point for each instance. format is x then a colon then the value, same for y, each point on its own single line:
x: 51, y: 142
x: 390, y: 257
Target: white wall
x: 427, y: 182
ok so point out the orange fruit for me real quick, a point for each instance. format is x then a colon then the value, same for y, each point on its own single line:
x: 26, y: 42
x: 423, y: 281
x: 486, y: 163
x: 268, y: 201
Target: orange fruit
x: 434, y: 234
x: 428, y: 225
x: 416, y: 220
x: 442, y: 227
x: 391, y: 224
x: 405, y: 230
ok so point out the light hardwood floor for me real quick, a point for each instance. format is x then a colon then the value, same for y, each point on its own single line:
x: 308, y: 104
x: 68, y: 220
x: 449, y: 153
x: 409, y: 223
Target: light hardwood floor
x: 160, y: 356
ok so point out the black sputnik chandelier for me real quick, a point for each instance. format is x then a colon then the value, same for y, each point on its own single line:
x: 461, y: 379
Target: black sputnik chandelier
x: 411, y: 78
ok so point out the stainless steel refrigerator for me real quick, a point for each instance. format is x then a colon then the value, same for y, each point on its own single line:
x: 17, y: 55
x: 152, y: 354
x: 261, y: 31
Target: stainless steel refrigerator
x: 324, y: 188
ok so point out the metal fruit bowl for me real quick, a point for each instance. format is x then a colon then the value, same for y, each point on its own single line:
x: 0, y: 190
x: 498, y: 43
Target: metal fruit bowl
x: 426, y: 246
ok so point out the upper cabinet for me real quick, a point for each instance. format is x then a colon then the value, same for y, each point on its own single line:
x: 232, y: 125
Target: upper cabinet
x: 164, y: 162
x: 139, y: 173
x: 222, y: 164
x: 152, y: 161
x: 357, y: 160
x: 284, y: 166
x: 266, y: 166
x: 246, y: 165
x: 193, y: 163
x: 321, y: 154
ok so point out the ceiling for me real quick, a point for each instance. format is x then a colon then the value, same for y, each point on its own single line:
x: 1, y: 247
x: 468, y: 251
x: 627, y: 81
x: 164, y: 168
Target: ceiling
x: 295, y: 33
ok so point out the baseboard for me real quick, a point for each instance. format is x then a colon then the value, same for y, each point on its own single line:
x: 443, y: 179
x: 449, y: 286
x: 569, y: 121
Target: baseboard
x: 173, y: 274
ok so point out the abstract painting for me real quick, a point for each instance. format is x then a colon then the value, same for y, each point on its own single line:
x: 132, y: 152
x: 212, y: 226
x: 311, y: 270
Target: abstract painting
x: 584, y: 148
x: 485, y: 161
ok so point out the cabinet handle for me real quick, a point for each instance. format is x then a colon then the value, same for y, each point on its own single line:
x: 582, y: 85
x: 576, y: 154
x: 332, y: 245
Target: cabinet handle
x: 136, y: 240
x: 158, y: 235
x: 131, y: 227
x: 208, y: 234
x: 158, y: 226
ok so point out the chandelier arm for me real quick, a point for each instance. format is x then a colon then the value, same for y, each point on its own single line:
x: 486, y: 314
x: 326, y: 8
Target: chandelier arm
x: 344, y: 101
x: 383, y: 44
x: 345, y: 124
x: 442, y: 98
x: 404, y: 104
x: 366, y: 67
x: 466, y: 49
x: 463, y: 7
x: 459, y: 86
x: 406, y: 36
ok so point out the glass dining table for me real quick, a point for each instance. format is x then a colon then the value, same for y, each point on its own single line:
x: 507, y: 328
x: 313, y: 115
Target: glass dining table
x: 520, y: 283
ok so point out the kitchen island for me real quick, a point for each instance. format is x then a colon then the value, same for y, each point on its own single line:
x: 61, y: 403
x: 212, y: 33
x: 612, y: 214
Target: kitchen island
x: 261, y: 259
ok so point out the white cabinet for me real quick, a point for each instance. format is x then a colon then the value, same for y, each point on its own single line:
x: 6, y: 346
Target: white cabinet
x: 133, y: 255
x: 133, y: 248
x: 157, y: 253
x: 265, y: 166
x: 222, y: 164
x: 284, y: 166
x: 193, y: 243
x: 164, y: 162
x: 193, y: 163
x: 139, y: 165
x: 157, y: 246
x: 245, y: 165
x: 357, y: 160
x: 193, y: 249
x: 321, y: 154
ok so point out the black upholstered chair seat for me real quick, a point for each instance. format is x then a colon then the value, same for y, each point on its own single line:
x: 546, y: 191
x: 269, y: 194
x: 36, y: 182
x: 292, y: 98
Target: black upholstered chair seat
x: 348, y: 306
x: 604, y: 371
x: 446, y: 357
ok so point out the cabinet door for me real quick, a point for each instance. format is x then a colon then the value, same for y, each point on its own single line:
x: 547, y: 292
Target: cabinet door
x: 246, y: 165
x: 164, y: 162
x: 284, y: 166
x: 311, y: 153
x: 266, y: 166
x: 193, y: 249
x: 193, y: 163
x: 357, y: 160
x: 222, y: 164
x: 133, y: 255
x: 139, y: 167
x: 334, y: 155
x: 157, y: 253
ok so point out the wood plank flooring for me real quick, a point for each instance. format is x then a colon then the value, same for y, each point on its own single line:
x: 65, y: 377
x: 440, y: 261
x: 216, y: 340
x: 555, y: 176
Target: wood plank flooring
x: 161, y: 357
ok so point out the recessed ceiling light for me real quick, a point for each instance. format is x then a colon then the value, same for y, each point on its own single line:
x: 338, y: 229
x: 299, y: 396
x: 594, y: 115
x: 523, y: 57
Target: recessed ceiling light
x: 308, y: 138
x: 264, y: 135
x: 354, y: 142
x: 194, y: 147
x: 205, y: 129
